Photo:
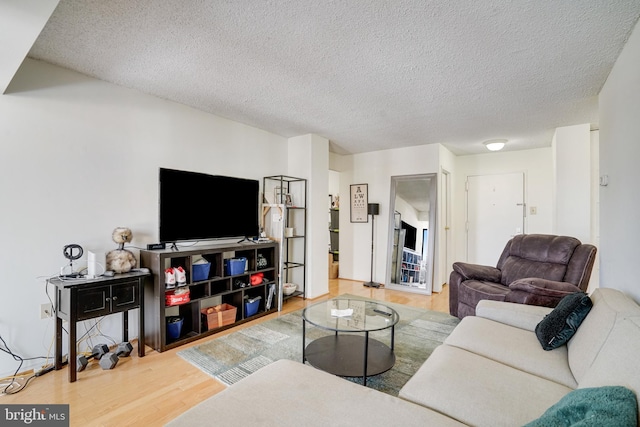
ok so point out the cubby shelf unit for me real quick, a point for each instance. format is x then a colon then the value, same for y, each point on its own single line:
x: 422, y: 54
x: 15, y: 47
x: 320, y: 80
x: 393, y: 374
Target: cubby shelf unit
x: 217, y: 288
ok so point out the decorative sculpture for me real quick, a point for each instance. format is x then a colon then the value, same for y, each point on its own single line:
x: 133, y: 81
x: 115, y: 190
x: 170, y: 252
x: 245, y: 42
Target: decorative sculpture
x: 121, y: 260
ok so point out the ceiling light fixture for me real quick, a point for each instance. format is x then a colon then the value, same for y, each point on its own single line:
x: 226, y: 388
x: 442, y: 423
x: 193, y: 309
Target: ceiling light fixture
x: 495, y: 144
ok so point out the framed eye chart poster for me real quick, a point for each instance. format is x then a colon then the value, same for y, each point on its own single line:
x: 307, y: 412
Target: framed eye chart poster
x: 359, y: 201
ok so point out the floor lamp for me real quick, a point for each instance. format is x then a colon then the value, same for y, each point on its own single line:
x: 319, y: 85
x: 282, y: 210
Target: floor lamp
x: 372, y: 209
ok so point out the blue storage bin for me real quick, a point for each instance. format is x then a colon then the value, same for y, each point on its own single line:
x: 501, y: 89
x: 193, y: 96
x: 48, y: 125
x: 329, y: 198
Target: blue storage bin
x: 251, y: 308
x: 174, y: 327
x: 200, y: 272
x: 235, y: 266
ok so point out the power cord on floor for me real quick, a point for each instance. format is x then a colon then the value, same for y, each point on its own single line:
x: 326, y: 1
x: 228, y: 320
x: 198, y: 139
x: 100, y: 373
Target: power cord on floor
x: 17, y: 382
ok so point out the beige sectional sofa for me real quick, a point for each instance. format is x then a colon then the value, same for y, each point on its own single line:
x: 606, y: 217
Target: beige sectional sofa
x: 491, y: 371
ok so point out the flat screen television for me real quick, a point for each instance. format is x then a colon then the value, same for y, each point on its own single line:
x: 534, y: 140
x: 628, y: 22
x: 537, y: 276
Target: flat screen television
x: 198, y: 206
x: 410, y: 235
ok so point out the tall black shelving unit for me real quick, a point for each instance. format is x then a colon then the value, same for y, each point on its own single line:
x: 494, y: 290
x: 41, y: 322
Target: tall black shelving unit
x: 289, y: 194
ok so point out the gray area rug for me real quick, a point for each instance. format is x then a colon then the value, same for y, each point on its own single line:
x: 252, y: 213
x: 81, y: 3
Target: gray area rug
x: 232, y: 357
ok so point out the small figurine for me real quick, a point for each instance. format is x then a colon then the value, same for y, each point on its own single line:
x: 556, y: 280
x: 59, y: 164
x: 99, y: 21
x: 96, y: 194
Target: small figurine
x: 121, y: 260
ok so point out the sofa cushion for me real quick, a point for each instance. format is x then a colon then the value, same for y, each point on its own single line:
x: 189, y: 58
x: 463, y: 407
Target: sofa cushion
x: 537, y: 255
x: 470, y: 292
x: 544, y: 287
x: 617, y: 361
x: 288, y: 393
x: 546, y: 248
x: 513, y: 314
x: 608, y: 306
x: 515, y: 268
x: 562, y: 323
x: 473, y: 291
x: 479, y: 391
x: 511, y: 346
x: 612, y: 406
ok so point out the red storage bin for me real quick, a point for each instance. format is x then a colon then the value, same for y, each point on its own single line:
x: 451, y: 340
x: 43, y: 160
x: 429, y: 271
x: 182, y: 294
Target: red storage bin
x: 170, y: 298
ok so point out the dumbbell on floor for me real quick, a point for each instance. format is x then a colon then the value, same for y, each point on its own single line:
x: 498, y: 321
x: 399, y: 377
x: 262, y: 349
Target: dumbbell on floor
x: 96, y: 353
x: 110, y: 360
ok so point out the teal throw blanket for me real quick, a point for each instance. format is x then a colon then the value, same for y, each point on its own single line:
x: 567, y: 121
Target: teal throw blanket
x: 613, y: 406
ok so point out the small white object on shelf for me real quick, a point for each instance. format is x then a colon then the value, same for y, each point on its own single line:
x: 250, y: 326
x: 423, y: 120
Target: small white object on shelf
x: 289, y: 288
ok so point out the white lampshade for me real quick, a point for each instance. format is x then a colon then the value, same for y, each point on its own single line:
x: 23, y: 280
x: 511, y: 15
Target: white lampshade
x: 495, y: 144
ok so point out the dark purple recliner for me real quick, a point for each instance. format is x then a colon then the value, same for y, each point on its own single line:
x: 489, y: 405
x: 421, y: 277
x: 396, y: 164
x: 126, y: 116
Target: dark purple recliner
x: 534, y: 269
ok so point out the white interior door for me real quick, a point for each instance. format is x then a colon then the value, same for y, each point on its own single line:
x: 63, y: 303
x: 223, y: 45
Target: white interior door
x: 495, y: 213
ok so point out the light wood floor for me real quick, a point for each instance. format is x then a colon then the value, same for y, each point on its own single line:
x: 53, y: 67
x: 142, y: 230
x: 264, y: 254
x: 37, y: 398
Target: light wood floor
x: 152, y: 390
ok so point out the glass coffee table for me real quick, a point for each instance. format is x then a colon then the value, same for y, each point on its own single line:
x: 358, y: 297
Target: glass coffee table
x: 350, y: 352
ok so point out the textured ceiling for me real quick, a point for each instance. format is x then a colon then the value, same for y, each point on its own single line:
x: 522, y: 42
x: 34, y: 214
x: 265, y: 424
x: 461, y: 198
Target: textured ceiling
x: 367, y: 75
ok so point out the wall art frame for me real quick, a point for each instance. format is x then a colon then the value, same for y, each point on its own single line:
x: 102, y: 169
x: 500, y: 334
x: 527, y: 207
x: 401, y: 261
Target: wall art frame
x: 359, y: 200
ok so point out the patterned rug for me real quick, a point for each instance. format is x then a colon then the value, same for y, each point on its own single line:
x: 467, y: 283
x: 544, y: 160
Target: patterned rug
x: 234, y: 356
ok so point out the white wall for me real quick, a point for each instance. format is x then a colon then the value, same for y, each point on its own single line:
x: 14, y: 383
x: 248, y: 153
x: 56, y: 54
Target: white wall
x: 81, y: 157
x: 309, y: 158
x: 595, y: 208
x: 619, y: 109
x: 571, y: 147
x: 444, y: 227
x: 21, y: 22
x: 334, y: 184
x: 537, y: 168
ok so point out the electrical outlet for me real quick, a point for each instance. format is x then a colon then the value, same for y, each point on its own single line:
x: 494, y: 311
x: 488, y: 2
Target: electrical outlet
x: 46, y: 311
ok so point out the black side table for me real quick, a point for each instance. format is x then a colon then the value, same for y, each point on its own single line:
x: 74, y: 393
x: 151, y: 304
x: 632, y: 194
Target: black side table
x: 83, y: 299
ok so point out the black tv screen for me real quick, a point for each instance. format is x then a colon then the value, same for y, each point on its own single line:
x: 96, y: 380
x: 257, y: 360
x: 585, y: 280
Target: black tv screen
x: 197, y: 206
x: 410, y: 235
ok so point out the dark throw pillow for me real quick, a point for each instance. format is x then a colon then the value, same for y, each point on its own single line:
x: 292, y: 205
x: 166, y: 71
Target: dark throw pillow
x: 609, y: 406
x: 559, y: 326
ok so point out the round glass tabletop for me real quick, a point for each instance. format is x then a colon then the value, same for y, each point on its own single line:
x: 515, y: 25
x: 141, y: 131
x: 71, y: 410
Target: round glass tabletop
x: 350, y: 315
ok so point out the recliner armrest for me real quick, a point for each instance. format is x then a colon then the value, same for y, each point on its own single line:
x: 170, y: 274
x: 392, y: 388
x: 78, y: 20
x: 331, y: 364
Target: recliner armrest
x: 511, y: 313
x: 544, y: 287
x: 477, y: 272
